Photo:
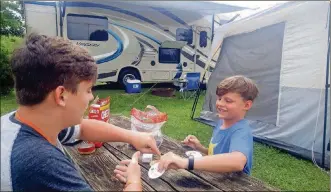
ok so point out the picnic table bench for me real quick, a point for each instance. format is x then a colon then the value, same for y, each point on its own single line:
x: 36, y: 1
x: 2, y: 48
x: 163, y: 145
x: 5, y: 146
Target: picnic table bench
x: 98, y: 169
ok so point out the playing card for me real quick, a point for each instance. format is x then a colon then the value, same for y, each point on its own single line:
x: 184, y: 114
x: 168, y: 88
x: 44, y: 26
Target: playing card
x: 153, y: 172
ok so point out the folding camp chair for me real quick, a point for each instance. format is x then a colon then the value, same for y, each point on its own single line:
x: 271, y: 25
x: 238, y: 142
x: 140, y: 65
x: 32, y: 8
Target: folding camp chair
x: 191, y: 85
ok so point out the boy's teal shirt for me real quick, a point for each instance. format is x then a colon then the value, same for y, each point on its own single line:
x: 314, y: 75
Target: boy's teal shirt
x: 238, y: 137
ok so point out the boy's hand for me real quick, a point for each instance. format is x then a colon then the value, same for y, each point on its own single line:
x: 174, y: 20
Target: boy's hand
x: 172, y: 161
x: 129, y: 170
x: 145, y: 143
x: 193, y: 142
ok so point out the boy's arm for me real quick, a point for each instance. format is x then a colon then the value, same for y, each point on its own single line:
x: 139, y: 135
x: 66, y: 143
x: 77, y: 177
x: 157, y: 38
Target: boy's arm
x: 240, y: 150
x: 95, y: 130
x: 228, y: 162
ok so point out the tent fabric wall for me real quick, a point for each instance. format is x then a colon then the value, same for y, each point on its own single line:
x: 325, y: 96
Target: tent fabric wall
x: 256, y: 55
x: 285, y: 52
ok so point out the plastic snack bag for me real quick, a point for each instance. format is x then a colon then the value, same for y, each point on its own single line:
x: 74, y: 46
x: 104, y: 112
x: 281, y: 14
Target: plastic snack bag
x: 150, y: 121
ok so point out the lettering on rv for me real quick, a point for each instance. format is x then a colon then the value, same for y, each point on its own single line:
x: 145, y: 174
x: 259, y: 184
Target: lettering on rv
x: 88, y: 44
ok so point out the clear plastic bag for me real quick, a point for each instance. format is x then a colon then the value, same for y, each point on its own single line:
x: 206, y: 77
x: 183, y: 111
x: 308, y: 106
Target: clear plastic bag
x: 150, y: 121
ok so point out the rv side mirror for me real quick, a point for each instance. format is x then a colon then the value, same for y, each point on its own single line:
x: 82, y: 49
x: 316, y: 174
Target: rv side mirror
x: 184, y: 35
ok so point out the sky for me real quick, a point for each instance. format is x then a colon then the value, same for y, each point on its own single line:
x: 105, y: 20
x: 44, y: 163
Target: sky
x: 251, y: 4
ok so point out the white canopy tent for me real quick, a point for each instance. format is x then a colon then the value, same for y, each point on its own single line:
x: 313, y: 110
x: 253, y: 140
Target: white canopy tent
x: 285, y: 50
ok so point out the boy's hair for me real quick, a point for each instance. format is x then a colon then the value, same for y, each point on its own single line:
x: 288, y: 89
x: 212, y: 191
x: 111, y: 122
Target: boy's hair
x: 44, y: 63
x: 238, y: 84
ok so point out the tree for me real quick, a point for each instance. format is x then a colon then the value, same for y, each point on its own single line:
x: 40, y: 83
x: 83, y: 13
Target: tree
x: 7, y: 45
x: 11, y: 26
x: 11, y: 18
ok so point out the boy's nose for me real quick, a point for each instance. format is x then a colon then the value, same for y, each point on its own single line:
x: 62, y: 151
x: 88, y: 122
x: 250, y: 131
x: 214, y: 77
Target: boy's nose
x: 220, y: 102
x: 92, y: 97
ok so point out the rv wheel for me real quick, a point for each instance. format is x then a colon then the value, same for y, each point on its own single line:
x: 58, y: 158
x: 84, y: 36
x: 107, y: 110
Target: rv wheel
x: 127, y: 74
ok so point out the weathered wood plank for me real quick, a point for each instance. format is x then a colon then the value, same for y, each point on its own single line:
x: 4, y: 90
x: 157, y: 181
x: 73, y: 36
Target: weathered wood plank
x: 180, y: 180
x: 157, y: 184
x: 98, y: 169
x: 224, y: 181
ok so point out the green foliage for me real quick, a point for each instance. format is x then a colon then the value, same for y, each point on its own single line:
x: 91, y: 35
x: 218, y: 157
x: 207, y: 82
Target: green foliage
x: 11, y: 18
x: 11, y: 25
x: 8, y: 43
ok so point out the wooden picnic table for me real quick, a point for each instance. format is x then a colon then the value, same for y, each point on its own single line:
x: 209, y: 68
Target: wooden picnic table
x: 98, y: 170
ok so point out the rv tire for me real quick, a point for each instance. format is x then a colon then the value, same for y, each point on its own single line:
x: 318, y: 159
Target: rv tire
x: 127, y: 74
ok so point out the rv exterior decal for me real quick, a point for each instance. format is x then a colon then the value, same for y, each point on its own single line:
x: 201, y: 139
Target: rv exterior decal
x: 118, y: 51
x: 148, y: 44
x: 41, y: 3
x: 139, y: 32
x: 117, y: 9
x: 171, y: 15
x: 141, y: 53
x: 106, y: 75
x: 87, y: 44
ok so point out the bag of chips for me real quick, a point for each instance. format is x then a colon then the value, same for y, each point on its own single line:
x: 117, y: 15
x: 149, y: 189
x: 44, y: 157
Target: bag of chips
x: 99, y: 110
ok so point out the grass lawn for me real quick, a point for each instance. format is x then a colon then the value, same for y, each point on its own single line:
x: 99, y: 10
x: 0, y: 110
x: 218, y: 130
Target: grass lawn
x: 270, y: 165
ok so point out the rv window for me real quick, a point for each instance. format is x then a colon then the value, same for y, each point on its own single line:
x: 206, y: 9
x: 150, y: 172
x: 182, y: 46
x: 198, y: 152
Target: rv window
x: 203, y: 39
x: 89, y: 28
x: 184, y: 35
x: 169, y: 55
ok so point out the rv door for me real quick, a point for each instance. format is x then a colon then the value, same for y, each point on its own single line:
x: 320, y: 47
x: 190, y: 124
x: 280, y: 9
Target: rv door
x: 40, y: 17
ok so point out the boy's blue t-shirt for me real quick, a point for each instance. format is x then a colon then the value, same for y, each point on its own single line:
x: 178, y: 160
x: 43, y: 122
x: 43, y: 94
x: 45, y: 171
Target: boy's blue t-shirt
x: 238, y: 137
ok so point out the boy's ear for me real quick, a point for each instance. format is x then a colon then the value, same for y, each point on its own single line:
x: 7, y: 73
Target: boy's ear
x: 61, y: 96
x: 248, y: 105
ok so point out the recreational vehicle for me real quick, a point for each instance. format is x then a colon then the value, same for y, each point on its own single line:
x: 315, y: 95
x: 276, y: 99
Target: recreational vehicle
x: 145, y: 40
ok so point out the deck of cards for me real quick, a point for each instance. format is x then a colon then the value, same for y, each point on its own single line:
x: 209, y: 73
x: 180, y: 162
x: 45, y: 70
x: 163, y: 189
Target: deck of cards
x: 147, y: 158
x: 153, y: 172
x: 195, y: 154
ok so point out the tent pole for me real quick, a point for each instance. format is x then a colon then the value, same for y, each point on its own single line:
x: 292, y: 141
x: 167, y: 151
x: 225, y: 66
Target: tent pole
x: 212, y: 28
x: 203, y: 78
x: 196, y: 99
x: 326, y: 94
